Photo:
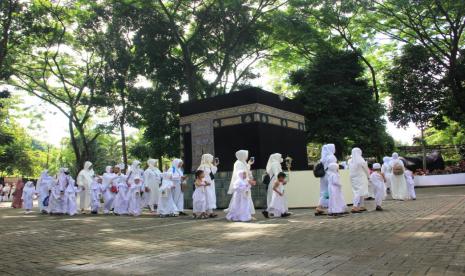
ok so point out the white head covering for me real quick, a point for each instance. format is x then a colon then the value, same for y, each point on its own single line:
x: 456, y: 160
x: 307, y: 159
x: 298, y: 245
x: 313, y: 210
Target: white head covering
x: 29, y: 184
x: 395, y: 156
x: 175, y: 163
x: 357, y: 158
x: 207, y: 160
x: 87, y: 166
x: 274, y: 158
x: 376, y: 166
x: 62, y: 176
x: 386, y: 159
x: 152, y: 163
x: 108, y: 169
x: 242, y: 155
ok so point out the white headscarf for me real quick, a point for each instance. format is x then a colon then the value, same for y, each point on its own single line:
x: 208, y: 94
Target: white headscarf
x: 376, y: 166
x: 62, y: 177
x: 175, y: 165
x: 87, y: 167
x: 274, y: 158
x: 242, y: 155
x: 357, y: 158
x: 135, y: 167
x: 29, y: 185
x: 395, y: 156
x: 327, y: 151
x: 153, y: 163
x: 207, y: 160
x: 108, y: 169
x: 386, y: 160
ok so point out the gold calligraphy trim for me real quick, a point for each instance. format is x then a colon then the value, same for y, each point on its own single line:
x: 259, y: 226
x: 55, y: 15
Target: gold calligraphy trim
x: 243, y: 110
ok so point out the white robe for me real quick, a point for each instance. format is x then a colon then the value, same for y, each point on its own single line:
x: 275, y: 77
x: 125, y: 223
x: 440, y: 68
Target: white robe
x: 135, y: 199
x: 278, y: 203
x: 199, y: 199
x: 28, y: 197
x: 242, y: 166
x: 84, y: 180
x: 152, y: 180
x: 177, y: 194
x: 399, y: 189
x: 43, y: 187
x: 210, y: 190
x: 108, y: 196
x: 273, y: 173
x: 166, y: 205
x: 386, y: 169
x: 324, y: 184
x: 336, y: 202
x: 379, y: 188
x: 70, y: 198
x: 121, y: 202
x: 56, y: 203
x: 359, y: 174
x: 239, y: 207
x: 410, y: 184
x: 96, y: 192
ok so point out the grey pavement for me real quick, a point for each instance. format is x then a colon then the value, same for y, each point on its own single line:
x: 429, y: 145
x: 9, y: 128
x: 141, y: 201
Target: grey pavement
x: 422, y: 237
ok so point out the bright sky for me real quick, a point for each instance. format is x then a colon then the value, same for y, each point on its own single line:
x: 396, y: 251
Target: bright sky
x: 55, y: 124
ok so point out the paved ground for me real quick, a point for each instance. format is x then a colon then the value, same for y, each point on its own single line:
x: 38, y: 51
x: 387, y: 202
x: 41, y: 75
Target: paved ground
x: 426, y: 236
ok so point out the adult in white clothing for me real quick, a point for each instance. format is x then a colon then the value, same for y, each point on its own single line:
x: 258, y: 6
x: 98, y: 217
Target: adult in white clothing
x: 84, y: 181
x: 399, y: 189
x: 178, y: 178
x: 327, y: 157
x: 242, y: 164
x: 359, y: 177
x: 152, y: 181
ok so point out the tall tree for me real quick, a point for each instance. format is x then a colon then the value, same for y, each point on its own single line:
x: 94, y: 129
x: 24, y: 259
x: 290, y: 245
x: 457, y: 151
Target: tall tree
x: 416, y: 89
x: 338, y: 104
x: 344, y: 18
x: 436, y: 25
x: 63, y: 71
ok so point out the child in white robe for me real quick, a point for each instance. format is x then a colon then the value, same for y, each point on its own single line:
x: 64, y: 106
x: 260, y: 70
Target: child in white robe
x: 44, y: 184
x: 278, y: 204
x: 6, y: 192
x: 336, y: 204
x: 56, y: 203
x: 28, y: 196
x: 239, y: 207
x: 199, y: 197
x: 166, y: 206
x: 377, y: 180
x: 121, y: 202
x: 178, y: 178
x: 135, y: 197
x: 108, y: 189
x: 95, y: 195
x: 70, y: 196
x: 409, y: 178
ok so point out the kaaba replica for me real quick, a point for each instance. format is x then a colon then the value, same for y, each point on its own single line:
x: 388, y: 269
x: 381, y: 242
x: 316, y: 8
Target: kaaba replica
x: 252, y: 119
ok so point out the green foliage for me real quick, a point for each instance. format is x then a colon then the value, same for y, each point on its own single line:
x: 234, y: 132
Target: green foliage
x: 415, y: 86
x: 338, y: 104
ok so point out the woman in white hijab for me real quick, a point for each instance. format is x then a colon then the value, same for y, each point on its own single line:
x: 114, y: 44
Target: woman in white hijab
x: 84, y: 180
x: 359, y: 175
x: 134, y: 171
x: 273, y: 168
x: 209, y: 167
x: 327, y: 157
x: 28, y: 196
x: 152, y: 181
x: 177, y: 176
x: 242, y: 165
x: 399, y: 189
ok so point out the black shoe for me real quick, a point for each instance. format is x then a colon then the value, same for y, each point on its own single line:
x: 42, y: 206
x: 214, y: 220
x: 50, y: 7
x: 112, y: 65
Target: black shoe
x: 182, y: 214
x: 94, y: 213
x: 378, y: 208
x: 285, y: 215
x: 265, y: 214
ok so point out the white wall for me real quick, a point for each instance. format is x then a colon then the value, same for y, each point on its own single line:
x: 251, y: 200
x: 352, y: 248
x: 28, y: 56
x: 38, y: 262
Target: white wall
x: 303, y: 189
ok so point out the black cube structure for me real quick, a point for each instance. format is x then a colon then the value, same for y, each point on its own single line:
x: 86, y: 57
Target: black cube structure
x: 252, y: 119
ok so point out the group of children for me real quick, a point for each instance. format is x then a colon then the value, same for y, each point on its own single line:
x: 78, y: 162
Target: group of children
x: 392, y: 177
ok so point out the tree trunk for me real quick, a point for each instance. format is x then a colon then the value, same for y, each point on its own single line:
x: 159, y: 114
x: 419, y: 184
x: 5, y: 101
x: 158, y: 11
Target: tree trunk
x: 122, y: 122
x: 77, y: 153
x: 423, y: 148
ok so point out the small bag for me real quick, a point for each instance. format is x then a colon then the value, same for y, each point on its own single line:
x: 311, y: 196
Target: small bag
x: 266, y: 179
x: 397, y: 169
x: 45, y: 202
x: 114, y: 189
x: 319, y: 170
x: 212, y: 176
